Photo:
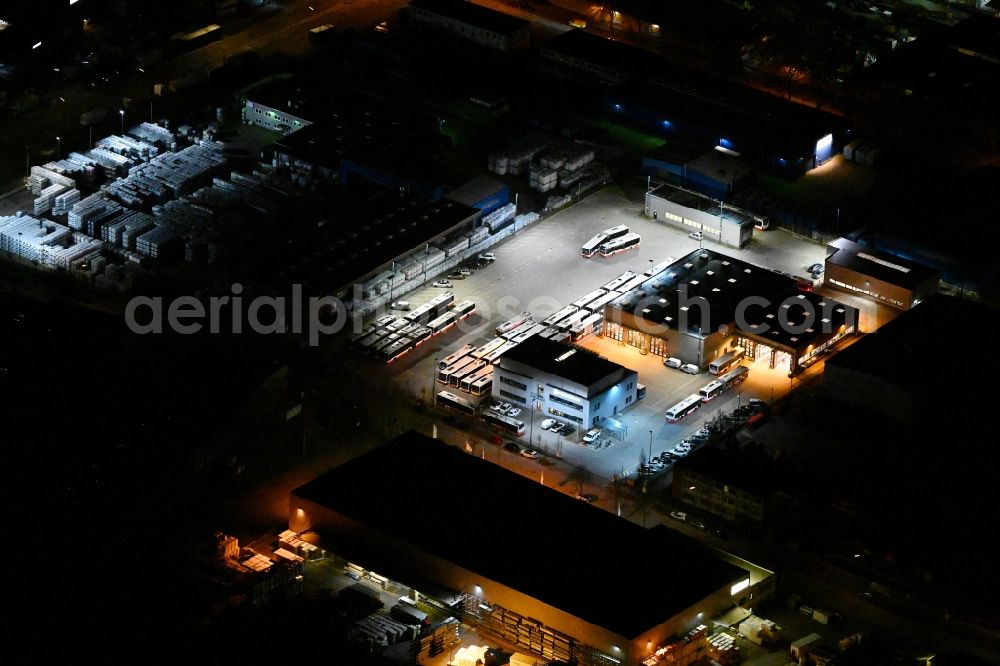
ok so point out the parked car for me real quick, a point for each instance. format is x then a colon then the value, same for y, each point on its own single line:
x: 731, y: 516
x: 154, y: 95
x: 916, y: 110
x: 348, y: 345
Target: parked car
x: 592, y: 435
x: 464, y: 271
x: 400, y: 305
x: 514, y: 411
x: 487, y: 256
x: 696, y: 235
x: 690, y: 368
x: 680, y: 453
x: 757, y: 402
x: 679, y: 515
x: 672, y: 362
x: 549, y: 423
x: 512, y: 447
x: 816, y: 268
x: 528, y: 453
x: 565, y: 430
x: 442, y: 283
x: 804, y: 284
x: 501, y: 407
x: 456, y: 276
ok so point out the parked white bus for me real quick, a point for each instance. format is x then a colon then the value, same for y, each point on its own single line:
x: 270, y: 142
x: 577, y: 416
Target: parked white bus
x: 683, y: 408
x: 726, y: 361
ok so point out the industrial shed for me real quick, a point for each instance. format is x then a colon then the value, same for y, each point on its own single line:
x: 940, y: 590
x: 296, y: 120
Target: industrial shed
x: 554, y: 575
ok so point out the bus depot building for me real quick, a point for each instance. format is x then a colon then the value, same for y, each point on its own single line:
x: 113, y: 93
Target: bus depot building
x: 878, y: 276
x: 708, y: 304
x: 564, y: 381
x: 534, y: 569
x: 692, y: 211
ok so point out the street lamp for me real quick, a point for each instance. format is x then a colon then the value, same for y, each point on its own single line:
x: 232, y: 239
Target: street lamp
x: 650, y: 444
x: 58, y: 147
x: 121, y: 112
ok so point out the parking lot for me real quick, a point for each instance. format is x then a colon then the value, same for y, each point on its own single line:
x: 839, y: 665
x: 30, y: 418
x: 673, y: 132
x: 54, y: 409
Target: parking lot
x: 540, y: 270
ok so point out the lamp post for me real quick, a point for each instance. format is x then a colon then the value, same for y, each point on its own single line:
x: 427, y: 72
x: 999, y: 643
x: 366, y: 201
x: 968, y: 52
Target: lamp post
x: 58, y: 148
x: 650, y: 445
x: 121, y: 114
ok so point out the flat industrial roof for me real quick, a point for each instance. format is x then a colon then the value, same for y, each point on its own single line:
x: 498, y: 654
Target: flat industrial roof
x: 473, y: 14
x: 719, y: 166
x: 601, y: 568
x: 898, y: 352
x: 556, y: 358
x: 725, y: 283
x: 477, y: 189
x: 877, y: 264
x: 700, y: 202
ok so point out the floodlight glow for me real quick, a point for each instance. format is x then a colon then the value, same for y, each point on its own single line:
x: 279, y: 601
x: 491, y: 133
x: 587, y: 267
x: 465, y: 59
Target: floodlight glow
x: 36, y: 46
x: 739, y: 587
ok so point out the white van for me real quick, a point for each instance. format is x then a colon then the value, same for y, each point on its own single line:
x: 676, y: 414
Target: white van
x: 672, y: 362
x: 690, y: 368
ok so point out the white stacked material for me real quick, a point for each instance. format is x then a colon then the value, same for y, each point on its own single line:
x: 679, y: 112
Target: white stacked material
x: 500, y: 217
x: 63, y: 202
x: 282, y: 555
x: 578, y: 158
x: 569, y: 178
x: 86, y: 210
x: 41, y: 177
x: 112, y: 162
x: 126, y: 145
x: 152, y: 134
x: 43, y: 202
x: 452, y: 248
x: 135, y: 225
x: 156, y: 240
x: 497, y: 163
x: 554, y: 159
x: 430, y: 257
x: 168, y: 175
x: 185, y: 214
x: 51, y: 245
x: 544, y: 179
x: 478, y: 235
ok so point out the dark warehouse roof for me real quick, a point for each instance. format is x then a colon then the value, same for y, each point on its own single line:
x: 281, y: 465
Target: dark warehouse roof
x: 725, y: 283
x: 877, y: 264
x: 473, y: 14
x: 566, y: 361
x: 599, y: 567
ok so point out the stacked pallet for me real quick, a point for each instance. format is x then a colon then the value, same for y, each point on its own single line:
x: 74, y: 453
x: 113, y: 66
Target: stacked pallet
x: 134, y: 225
x: 46, y: 198
x: 127, y: 146
x: 152, y: 134
x: 65, y: 201
x: 155, y: 242
x: 500, y: 218
x: 86, y: 211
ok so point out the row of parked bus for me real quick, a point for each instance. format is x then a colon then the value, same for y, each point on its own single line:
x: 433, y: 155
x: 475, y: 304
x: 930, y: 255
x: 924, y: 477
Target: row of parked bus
x: 507, y: 424
x: 389, y: 337
x: 610, y: 241
x: 707, y: 393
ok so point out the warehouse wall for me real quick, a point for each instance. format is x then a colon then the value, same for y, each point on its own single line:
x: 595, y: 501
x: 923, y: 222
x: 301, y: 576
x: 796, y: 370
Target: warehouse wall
x: 890, y: 294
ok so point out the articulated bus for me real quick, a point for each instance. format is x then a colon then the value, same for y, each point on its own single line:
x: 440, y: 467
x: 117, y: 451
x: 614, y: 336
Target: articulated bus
x: 597, y: 305
x: 513, y: 323
x: 518, y: 330
x: 396, y: 349
x: 499, y: 351
x: 482, y: 386
x: 711, y: 390
x: 626, y: 242
x: 726, y: 361
x: 591, y: 324
x: 594, y: 295
x: 591, y: 247
x: 634, y: 283
x: 439, y: 324
x: 444, y: 376
x: 735, y: 376
x: 572, y: 320
x: 452, y: 358
x: 683, y: 408
x: 489, y: 348
x: 466, y: 382
x: 455, y: 379
x: 525, y: 334
x: 619, y: 281
x: 464, y: 309
x: 452, y: 401
x: 559, y: 316
x: 505, y: 423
